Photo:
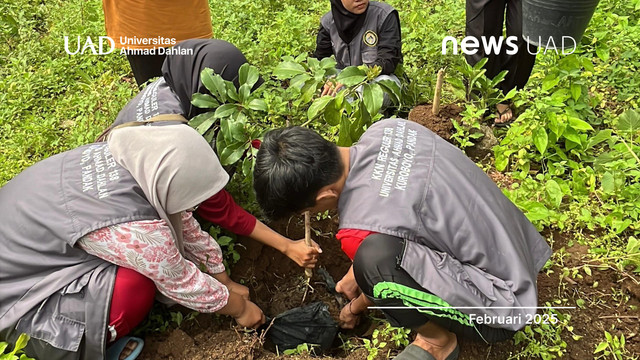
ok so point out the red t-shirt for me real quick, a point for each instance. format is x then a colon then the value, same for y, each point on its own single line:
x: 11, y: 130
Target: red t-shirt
x: 350, y: 240
x: 220, y: 209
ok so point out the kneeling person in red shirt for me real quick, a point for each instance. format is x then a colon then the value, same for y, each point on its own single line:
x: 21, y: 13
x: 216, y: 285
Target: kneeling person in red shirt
x: 433, y: 240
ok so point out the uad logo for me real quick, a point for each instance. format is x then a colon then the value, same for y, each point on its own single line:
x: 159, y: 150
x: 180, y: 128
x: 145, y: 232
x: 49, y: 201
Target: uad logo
x: 90, y: 46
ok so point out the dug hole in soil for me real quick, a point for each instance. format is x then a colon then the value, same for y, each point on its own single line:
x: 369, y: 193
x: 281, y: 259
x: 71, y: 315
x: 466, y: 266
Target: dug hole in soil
x: 277, y: 284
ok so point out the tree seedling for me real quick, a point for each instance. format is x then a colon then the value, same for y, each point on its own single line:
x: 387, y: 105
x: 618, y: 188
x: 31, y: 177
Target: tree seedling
x: 308, y: 273
x: 435, y: 108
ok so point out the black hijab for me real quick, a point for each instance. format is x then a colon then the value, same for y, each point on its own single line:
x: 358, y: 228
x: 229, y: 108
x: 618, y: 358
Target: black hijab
x: 348, y: 23
x: 182, y: 72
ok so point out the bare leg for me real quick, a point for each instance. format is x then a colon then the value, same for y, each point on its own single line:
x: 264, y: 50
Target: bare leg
x: 436, y: 340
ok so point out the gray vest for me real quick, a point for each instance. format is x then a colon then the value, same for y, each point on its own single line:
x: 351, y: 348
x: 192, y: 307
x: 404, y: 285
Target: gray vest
x: 363, y: 48
x: 52, y: 290
x: 467, y: 243
x: 155, y: 99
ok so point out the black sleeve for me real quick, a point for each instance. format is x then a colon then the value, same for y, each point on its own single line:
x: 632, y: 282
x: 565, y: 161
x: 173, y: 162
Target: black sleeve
x: 323, y: 44
x: 389, y: 44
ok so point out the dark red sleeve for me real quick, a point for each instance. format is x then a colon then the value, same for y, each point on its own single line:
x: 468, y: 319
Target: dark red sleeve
x: 350, y: 240
x: 220, y: 209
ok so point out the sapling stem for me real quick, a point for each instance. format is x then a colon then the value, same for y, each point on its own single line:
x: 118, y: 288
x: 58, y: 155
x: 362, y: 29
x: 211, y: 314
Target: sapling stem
x: 307, y: 239
x: 435, y: 108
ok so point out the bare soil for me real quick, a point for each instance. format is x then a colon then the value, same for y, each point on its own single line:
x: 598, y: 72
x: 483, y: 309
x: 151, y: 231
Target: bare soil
x: 440, y: 124
x: 277, y: 284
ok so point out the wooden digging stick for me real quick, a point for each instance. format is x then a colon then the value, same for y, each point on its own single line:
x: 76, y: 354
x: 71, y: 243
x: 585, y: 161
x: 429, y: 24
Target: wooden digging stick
x: 435, y: 109
x: 307, y: 239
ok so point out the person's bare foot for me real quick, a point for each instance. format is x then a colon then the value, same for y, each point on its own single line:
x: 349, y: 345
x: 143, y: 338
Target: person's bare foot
x: 438, y: 349
x: 504, y: 114
x: 128, y: 349
x: 436, y: 340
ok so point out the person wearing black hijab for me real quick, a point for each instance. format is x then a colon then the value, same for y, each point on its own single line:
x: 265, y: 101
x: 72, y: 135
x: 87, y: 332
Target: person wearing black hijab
x: 171, y: 94
x: 360, y: 32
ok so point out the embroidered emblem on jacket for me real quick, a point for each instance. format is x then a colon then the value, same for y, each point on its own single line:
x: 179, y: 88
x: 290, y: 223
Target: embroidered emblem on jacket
x: 370, y: 38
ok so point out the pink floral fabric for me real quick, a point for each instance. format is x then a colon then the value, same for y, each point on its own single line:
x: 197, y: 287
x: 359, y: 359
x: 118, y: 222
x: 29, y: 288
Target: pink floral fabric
x: 148, y: 248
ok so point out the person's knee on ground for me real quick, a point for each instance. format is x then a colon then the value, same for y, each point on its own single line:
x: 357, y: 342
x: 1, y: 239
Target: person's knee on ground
x: 132, y: 299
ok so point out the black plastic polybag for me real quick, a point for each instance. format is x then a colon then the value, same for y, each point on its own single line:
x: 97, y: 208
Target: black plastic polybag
x: 311, y: 324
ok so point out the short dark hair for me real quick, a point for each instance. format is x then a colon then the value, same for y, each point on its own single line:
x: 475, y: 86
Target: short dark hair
x: 292, y: 165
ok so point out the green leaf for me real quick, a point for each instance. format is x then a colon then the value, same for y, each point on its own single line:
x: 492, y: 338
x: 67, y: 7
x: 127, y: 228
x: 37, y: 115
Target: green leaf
x: 318, y: 105
x: 214, y: 83
x: 224, y: 240
x: 576, y: 91
x: 603, y: 53
x: 579, y: 125
x: 601, y: 347
x: 456, y: 83
x: 361, y: 118
x: 308, y: 91
x: 603, y: 160
x: 236, y: 128
x: 3, y: 346
x: 199, y: 119
x: 25, y: 357
x: 351, y: 76
x: 258, y: 105
x: 390, y: 87
x: 587, y: 64
x: 247, y: 165
x: 556, y: 126
x: 332, y: 115
x: 536, y: 211
x: 244, y: 92
x: 226, y: 110
x: 550, y: 81
x: 206, y: 124
x: 510, y: 95
x: 328, y: 63
x: 602, y: 135
x: 502, y: 161
x: 629, y: 121
x: 204, y: 101
x: 232, y: 92
x: 554, y: 192
x: 480, y: 64
x: 344, y: 139
x: 608, y: 183
x: 372, y: 95
x: 209, y: 135
x: 498, y: 78
x: 248, y: 75
x: 299, y: 80
x: 232, y: 154
x: 540, y: 139
x: 572, y: 135
x: 287, y: 70
x: 22, y: 341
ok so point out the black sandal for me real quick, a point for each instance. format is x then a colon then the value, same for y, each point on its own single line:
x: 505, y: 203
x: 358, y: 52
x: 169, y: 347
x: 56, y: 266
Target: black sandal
x: 499, y: 115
